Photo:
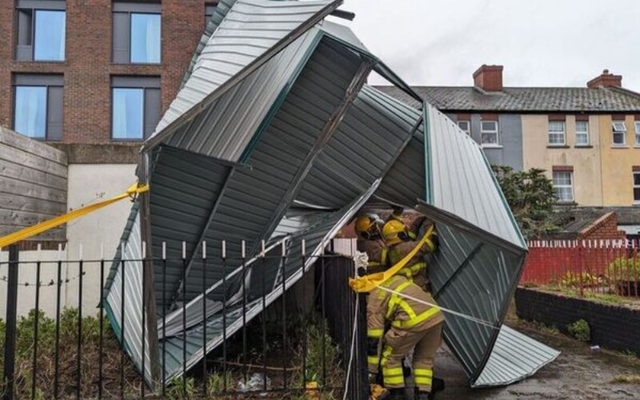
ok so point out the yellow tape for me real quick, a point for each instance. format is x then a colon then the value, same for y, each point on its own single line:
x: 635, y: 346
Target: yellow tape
x: 54, y: 222
x: 369, y: 282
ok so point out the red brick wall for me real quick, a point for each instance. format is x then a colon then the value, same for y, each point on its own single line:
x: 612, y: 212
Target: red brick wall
x: 606, y: 228
x: 87, y: 69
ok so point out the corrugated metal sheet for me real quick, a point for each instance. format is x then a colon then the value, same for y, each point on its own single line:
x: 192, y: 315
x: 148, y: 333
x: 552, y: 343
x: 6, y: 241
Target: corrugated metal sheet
x: 366, y: 142
x: 33, y: 184
x: 514, y: 357
x: 253, y: 197
x: 314, y: 237
x: 460, y: 181
x: 221, y: 10
x: 129, y: 254
x: 186, y: 188
x: 248, y: 36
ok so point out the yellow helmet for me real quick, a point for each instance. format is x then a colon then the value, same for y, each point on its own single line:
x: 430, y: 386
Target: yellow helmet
x: 393, y: 232
x: 367, y: 226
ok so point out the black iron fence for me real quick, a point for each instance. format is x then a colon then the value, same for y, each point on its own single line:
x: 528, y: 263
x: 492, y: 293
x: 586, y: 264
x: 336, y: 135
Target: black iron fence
x: 277, y: 324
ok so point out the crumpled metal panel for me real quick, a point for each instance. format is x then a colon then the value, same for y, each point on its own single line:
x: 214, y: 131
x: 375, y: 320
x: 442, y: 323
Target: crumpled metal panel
x: 248, y: 29
x: 514, y: 357
x: 462, y: 183
x: 365, y: 144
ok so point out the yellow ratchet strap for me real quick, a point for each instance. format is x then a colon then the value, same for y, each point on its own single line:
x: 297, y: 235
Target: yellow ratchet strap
x: 369, y: 282
x: 59, y: 220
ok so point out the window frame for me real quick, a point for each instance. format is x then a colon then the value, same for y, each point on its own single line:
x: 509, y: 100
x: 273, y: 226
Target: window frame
x: 635, y: 186
x: 34, y: 7
x: 563, y: 132
x: 496, y: 132
x: 47, y: 86
x: 129, y: 9
x: 571, y: 185
x: 637, y: 135
x: 615, y: 131
x: 121, y: 82
x: 465, y: 121
x: 585, y: 132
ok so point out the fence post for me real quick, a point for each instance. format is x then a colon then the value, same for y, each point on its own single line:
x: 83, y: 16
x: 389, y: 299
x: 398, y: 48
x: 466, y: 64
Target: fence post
x: 10, y: 332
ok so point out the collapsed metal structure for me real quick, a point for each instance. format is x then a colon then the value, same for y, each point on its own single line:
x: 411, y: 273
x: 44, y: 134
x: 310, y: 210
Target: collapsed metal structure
x: 275, y: 137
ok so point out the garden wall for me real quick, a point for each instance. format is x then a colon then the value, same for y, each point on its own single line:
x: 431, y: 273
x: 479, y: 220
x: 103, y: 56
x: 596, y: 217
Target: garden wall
x: 612, y: 326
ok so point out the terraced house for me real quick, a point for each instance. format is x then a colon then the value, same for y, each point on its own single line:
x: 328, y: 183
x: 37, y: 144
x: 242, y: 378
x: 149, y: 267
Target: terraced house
x: 586, y: 138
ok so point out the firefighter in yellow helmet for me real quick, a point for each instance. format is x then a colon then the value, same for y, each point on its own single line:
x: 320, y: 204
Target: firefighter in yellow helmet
x: 405, y: 307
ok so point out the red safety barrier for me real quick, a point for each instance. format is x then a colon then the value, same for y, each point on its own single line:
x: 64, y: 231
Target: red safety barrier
x: 602, y: 266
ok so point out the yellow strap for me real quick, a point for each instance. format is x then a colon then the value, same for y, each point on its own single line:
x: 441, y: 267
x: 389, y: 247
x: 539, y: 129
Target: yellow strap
x: 373, y: 360
x: 415, y: 321
x: 59, y: 220
x: 369, y: 282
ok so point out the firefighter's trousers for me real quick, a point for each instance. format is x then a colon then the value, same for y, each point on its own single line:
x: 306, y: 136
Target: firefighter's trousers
x: 399, y: 343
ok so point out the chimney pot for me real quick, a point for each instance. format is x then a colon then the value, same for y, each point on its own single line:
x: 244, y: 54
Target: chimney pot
x: 606, y: 79
x: 489, y: 78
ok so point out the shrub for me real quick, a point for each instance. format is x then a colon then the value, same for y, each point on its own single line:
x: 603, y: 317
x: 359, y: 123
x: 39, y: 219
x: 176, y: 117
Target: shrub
x: 624, y: 268
x: 580, y: 330
x: 573, y: 279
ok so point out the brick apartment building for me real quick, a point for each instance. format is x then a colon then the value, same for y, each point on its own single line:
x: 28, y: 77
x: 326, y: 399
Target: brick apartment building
x: 74, y: 61
x: 92, y: 78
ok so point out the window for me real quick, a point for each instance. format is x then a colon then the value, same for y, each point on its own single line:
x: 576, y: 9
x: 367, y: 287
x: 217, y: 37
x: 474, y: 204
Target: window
x: 209, y: 8
x: 582, y: 133
x: 41, y: 30
x: 465, y: 126
x: 135, y: 109
x: 637, y: 133
x: 619, y: 133
x: 563, y: 184
x: 556, y: 133
x: 136, y: 33
x: 37, y: 106
x: 489, y: 131
x: 636, y: 187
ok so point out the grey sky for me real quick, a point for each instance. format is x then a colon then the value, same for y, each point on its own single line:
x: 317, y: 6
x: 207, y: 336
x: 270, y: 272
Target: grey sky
x: 539, y: 42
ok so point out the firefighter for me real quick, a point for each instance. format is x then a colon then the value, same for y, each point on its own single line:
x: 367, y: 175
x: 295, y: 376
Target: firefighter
x: 413, y: 326
x: 369, y: 229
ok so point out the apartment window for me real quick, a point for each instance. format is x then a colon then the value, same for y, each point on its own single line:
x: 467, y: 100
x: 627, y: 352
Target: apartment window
x: 636, y: 187
x: 637, y: 133
x: 489, y: 132
x: 41, y: 30
x: 37, y: 106
x: 136, y: 33
x: 465, y: 126
x: 135, y: 107
x: 582, y: 133
x: 556, y: 133
x: 619, y: 133
x: 563, y: 185
x: 209, y: 8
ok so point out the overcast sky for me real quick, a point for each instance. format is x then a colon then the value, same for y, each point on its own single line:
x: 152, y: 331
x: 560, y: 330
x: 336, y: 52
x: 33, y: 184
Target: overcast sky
x: 539, y: 42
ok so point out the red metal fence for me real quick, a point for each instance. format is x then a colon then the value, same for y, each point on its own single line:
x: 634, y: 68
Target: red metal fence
x: 598, y: 266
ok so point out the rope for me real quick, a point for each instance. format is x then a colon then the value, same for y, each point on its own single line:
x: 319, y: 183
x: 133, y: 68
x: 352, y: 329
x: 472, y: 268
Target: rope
x: 77, y: 213
x: 446, y: 310
x: 353, y: 347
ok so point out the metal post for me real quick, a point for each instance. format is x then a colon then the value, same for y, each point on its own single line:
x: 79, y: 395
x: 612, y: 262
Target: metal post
x: 10, y: 332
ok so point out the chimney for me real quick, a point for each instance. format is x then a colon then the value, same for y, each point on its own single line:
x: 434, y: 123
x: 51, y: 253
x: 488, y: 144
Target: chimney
x: 605, y: 80
x: 488, y: 78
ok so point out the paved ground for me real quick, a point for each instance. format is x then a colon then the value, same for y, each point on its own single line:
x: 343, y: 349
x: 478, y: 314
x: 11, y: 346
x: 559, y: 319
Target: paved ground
x: 577, y: 374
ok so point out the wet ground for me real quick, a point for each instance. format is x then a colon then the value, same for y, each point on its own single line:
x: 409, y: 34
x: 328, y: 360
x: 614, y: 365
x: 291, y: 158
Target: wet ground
x: 578, y: 374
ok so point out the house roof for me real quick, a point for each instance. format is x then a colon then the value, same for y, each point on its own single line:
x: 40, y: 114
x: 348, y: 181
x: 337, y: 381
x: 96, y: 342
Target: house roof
x: 524, y: 99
